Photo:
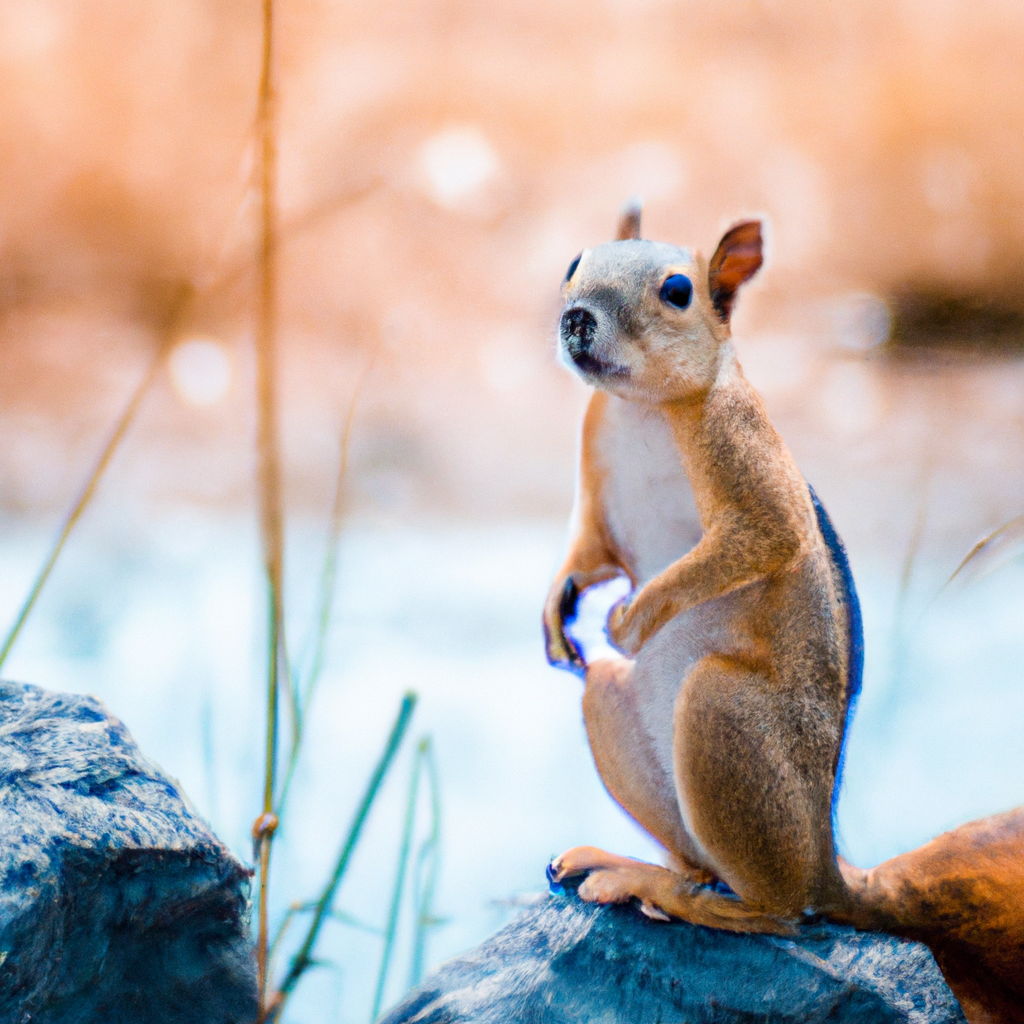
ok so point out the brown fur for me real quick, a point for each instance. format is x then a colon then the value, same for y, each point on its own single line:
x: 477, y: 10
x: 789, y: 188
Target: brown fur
x: 741, y: 641
x: 962, y: 894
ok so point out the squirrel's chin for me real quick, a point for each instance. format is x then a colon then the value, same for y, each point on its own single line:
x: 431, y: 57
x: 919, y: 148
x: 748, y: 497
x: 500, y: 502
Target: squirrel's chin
x: 594, y: 370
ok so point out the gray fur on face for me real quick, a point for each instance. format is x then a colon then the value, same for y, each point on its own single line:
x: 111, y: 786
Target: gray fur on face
x: 616, y: 275
x: 611, y: 284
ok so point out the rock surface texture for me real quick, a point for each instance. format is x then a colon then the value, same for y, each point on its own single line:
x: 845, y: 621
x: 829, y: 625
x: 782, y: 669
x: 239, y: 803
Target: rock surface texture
x: 117, y: 903
x: 568, y: 961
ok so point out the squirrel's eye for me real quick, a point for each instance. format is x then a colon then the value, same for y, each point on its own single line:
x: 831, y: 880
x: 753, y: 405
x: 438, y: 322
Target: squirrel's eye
x: 572, y: 269
x: 677, y: 291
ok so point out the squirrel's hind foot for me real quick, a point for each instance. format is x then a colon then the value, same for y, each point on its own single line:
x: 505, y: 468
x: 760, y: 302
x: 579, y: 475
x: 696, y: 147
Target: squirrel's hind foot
x: 661, y: 893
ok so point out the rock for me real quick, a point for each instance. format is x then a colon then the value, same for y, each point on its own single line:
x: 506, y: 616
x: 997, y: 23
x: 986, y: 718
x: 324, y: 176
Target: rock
x: 565, y: 961
x: 117, y: 902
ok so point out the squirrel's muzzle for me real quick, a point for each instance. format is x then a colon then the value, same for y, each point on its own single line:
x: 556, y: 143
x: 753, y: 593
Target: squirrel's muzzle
x: 587, y: 344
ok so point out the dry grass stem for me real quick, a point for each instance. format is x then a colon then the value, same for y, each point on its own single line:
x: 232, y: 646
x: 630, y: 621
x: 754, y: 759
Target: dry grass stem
x: 117, y: 435
x: 271, y: 517
x: 989, y: 546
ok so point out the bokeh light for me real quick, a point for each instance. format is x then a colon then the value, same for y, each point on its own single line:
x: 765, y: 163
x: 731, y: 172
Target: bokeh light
x: 200, y: 371
x: 457, y: 163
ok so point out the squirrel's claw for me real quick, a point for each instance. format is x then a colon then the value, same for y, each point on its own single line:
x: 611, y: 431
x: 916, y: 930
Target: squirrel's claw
x: 554, y: 885
x: 562, y: 651
x: 653, y: 912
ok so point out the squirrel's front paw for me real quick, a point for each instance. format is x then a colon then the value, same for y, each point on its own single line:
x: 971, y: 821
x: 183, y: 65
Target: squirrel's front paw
x: 634, y: 620
x: 623, y: 626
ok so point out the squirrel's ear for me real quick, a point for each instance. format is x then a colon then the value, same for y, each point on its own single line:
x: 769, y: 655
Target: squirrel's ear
x: 629, y: 219
x: 736, y: 260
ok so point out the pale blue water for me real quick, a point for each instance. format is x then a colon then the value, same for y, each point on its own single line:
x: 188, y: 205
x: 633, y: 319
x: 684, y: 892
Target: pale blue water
x: 164, y: 624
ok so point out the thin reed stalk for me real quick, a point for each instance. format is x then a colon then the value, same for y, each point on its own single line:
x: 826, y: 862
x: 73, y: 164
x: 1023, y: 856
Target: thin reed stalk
x: 1009, y: 532
x: 328, y: 580
x: 404, y: 850
x: 271, y: 518
x: 335, y: 915
x: 329, y: 575
x: 216, y: 279
x: 92, y: 482
x: 428, y: 864
x: 303, y: 959
x: 230, y: 271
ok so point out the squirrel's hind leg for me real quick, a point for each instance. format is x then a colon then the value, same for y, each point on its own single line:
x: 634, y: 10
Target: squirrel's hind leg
x: 628, y: 763
x: 755, y: 769
x: 632, y: 772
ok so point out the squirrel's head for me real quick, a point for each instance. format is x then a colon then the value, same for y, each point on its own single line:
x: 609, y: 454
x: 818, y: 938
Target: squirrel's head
x: 647, y: 320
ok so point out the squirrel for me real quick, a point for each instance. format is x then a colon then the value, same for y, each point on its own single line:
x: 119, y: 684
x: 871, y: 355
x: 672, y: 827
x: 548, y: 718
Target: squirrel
x: 719, y: 728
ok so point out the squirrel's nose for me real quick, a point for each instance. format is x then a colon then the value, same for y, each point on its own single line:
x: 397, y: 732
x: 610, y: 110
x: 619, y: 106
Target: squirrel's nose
x: 579, y: 323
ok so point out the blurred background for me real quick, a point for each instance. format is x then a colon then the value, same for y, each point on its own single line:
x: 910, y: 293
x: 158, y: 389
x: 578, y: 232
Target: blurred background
x: 441, y: 162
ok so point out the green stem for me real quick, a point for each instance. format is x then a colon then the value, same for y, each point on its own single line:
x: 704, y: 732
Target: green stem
x: 302, y: 960
x: 431, y: 849
x: 396, y: 896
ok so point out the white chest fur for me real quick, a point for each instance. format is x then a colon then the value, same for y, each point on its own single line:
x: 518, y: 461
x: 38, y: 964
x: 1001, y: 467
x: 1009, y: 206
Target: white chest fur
x: 648, y: 500
x: 650, y: 511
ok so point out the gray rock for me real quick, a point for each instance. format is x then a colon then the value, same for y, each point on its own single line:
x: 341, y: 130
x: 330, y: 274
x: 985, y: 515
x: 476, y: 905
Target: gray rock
x: 117, y: 902
x: 568, y: 961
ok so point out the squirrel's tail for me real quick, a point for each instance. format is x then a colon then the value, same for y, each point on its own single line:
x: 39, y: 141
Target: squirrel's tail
x: 962, y: 895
